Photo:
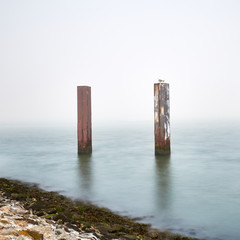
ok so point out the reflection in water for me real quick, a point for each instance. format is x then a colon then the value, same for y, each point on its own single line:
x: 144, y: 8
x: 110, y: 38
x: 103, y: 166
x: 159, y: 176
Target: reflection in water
x: 85, y: 174
x: 163, y: 182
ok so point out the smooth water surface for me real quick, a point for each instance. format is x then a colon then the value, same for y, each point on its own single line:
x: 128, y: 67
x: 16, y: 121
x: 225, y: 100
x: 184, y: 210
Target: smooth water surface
x: 195, y: 191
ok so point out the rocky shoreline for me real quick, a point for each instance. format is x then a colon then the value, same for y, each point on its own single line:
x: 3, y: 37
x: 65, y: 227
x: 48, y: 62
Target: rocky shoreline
x: 28, y: 212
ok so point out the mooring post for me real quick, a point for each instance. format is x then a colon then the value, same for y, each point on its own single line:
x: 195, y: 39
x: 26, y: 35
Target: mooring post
x: 161, y: 118
x: 84, y: 122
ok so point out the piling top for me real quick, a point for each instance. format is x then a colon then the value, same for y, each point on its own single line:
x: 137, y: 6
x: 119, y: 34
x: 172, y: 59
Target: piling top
x: 83, y: 86
x: 161, y: 83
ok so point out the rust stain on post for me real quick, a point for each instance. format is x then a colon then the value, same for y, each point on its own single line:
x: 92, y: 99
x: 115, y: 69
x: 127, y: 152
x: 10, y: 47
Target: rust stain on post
x: 161, y: 118
x: 84, y: 121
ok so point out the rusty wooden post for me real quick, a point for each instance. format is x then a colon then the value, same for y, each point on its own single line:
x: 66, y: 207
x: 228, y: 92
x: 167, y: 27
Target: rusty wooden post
x: 161, y: 118
x: 84, y: 122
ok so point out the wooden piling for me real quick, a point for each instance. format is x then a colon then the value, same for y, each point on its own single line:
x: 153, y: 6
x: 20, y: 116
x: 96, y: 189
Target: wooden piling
x: 162, y: 118
x: 84, y: 122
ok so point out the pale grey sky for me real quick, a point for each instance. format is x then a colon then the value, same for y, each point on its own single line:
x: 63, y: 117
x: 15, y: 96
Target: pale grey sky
x: 119, y: 48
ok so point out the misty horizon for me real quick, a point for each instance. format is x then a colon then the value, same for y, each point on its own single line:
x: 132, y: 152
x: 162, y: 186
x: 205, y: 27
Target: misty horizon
x: 120, y: 49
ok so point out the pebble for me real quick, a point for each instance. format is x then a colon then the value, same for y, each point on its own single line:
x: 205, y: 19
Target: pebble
x: 17, y: 223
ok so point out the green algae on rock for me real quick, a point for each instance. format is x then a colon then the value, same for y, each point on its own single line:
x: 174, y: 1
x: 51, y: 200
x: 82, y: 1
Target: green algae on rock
x: 79, y: 215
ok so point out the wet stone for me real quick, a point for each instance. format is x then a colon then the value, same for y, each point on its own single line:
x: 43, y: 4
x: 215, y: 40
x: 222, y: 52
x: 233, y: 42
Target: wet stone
x: 153, y: 235
x: 32, y: 234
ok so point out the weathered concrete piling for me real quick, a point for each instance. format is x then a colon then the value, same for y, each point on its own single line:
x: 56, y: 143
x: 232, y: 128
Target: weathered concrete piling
x: 161, y: 118
x: 84, y: 121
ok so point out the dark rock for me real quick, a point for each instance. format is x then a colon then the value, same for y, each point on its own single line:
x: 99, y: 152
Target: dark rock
x: 49, y: 221
x: 72, y: 226
x: 14, y: 195
x: 32, y: 221
x: 112, y: 230
x: 55, y: 217
x: 39, y: 213
x: 51, y: 211
x: 58, y: 232
x: 153, y: 235
x: 66, y: 229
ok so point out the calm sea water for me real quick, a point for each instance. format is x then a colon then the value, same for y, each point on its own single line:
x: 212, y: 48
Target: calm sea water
x: 195, y: 191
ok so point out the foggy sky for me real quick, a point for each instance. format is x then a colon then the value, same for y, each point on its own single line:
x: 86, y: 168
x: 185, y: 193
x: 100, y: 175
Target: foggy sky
x: 119, y: 48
